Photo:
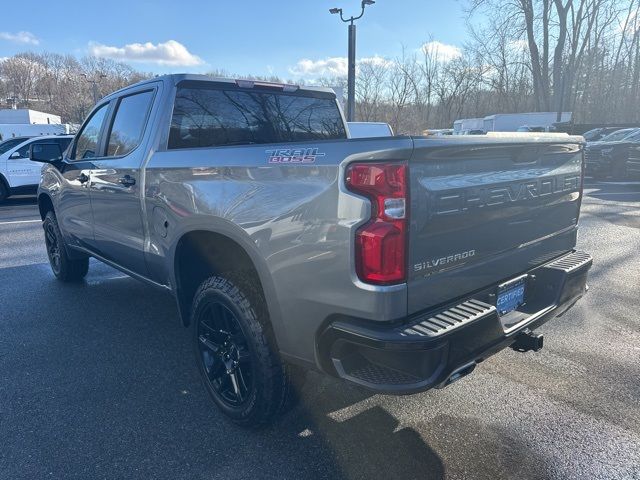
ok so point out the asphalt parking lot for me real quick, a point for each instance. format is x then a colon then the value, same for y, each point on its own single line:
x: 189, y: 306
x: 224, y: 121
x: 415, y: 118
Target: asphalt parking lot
x: 97, y: 380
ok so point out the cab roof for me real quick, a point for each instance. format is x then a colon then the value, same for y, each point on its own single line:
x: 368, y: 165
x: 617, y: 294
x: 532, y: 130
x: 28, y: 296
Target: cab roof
x: 175, y: 78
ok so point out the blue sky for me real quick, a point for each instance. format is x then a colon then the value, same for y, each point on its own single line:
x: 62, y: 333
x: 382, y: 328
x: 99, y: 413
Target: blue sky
x: 292, y: 39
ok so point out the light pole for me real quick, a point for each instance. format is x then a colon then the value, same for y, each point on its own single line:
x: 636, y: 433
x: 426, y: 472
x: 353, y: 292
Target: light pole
x: 351, y: 63
x: 94, y: 84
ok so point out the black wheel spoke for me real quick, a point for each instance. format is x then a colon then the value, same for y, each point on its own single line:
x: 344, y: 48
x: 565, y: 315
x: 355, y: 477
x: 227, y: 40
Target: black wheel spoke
x: 243, y: 383
x: 216, y: 370
x: 235, y: 382
x: 224, y: 353
x: 209, y: 344
x: 53, y: 249
x: 243, y: 355
x: 224, y: 314
x: 214, y: 334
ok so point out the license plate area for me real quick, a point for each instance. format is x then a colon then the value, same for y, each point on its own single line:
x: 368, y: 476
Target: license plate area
x: 511, y: 295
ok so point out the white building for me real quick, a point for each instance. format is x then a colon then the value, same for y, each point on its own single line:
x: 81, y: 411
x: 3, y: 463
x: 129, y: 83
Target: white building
x: 26, y: 116
x: 510, y: 122
x: 463, y: 124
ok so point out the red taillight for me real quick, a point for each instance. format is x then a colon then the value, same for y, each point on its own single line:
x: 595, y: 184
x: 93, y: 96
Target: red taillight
x: 381, y: 243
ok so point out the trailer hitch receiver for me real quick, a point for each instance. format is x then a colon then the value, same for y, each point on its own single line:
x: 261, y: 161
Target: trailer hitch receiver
x: 528, y: 341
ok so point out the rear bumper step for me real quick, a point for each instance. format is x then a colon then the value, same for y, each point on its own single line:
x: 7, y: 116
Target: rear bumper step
x: 438, y: 347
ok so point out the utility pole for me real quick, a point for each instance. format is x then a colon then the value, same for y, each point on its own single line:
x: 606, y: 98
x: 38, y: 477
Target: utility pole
x: 94, y: 85
x: 561, y: 100
x: 351, y: 63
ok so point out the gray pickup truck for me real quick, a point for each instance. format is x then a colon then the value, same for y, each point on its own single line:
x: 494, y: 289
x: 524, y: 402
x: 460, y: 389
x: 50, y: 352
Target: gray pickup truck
x: 395, y: 263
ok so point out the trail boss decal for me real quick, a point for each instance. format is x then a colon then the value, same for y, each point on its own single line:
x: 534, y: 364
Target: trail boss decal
x: 293, y: 155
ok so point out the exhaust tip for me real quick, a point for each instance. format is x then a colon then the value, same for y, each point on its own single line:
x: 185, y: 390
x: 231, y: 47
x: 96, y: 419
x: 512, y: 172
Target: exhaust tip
x: 458, y: 374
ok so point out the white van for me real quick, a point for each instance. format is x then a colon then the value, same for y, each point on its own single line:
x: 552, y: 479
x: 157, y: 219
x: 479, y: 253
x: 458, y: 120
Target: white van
x: 18, y: 174
x: 369, y: 129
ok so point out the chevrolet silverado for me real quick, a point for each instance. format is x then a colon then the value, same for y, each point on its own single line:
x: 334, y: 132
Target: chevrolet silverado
x: 395, y: 263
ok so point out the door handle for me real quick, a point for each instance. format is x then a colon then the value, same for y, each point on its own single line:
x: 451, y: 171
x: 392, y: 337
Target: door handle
x: 127, y: 181
x: 83, y: 178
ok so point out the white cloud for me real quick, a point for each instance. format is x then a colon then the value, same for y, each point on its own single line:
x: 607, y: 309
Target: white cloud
x: 377, y: 61
x: 333, y: 66
x: 170, y: 53
x: 27, y: 38
x: 442, y: 51
x: 518, y: 45
x: 629, y: 25
x: 330, y: 67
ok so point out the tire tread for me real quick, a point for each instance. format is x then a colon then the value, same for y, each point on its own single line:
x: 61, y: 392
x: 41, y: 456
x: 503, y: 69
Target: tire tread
x: 275, y: 386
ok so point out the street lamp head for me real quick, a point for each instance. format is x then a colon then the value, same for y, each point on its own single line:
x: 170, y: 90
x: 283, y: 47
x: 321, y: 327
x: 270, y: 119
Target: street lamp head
x: 367, y: 2
x: 334, y: 11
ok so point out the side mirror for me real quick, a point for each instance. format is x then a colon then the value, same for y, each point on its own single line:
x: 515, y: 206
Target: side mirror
x: 45, y: 152
x: 14, y: 155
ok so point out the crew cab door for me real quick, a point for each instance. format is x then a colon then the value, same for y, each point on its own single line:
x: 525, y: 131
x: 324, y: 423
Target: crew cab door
x: 74, y: 203
x: 116, y: 182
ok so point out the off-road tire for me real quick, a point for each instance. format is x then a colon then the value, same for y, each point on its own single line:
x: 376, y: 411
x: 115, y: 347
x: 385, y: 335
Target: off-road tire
x: 271, y: 390
x: 64, y: 268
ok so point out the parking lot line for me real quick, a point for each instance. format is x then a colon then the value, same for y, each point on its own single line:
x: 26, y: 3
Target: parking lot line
x: 20, y: 221
x: 613, y: 193
x: 611, y: 183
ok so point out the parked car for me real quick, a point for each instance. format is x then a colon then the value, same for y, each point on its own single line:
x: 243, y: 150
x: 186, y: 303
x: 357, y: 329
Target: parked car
x: 438, y: 132
x: 531, y: 129
x: 617, y: 155
x: 18, y: 175
x: 387, y: 262
x: 598, y: 134
x: 509, y: 122
x: 473, y: 131
x: 369, y: 129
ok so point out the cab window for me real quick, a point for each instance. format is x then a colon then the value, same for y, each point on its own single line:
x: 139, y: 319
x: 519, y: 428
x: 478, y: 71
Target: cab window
x: 11, y: 143
x: 87, y: 141
x: 128, y: 123
x: 23, y: 152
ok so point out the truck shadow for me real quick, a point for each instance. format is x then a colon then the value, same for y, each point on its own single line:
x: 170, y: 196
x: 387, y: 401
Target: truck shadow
x: 613, y: 192
x: 19, y: 200
x: 370, y: 443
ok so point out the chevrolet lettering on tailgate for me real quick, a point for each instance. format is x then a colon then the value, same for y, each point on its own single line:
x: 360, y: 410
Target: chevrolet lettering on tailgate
x: 448, y: 202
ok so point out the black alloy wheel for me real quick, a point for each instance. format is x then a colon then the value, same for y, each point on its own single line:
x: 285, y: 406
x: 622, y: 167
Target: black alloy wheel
x: 65, y: 267
x: 224, y: 354
x: 236, y: 352
x: 53, y: 247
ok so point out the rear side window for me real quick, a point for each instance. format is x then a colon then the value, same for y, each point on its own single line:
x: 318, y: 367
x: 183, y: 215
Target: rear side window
x: 211, y: 117
x: 9, y: 144
x: 87, y: 143
x: 128, y: 124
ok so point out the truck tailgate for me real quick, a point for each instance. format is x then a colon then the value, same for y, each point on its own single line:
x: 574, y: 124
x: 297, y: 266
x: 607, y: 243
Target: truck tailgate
x: 484, y: 210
